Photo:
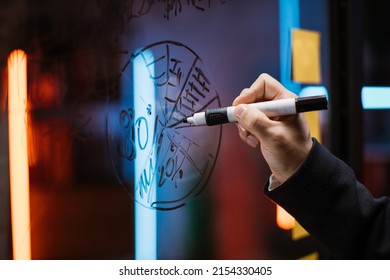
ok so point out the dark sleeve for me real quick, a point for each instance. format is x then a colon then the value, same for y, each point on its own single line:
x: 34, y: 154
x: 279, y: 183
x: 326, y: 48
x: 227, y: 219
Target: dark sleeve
x: 336, y: 209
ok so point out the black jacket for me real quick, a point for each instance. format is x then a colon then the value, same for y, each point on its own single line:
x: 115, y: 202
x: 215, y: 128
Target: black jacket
x: 336, y: 209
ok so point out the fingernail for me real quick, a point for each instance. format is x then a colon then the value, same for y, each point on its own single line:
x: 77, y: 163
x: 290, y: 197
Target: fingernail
x: 243, y: 130
x: 252, y: 141
x: 240, y: 109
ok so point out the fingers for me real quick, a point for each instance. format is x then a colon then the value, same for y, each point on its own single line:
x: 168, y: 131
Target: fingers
x: 264, y: 88
x: 284, y: 141
x: 247, y: 137
x: 268, y: 88
x: 246, y: 96
x: 250, y: 124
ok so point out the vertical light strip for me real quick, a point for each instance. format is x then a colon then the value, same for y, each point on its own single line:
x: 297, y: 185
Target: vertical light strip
x: 288, y: 19
x: 19, y: 175
x: 144, y: 97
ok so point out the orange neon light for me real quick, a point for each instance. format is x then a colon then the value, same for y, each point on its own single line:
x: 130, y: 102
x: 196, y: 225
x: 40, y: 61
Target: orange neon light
x: 18, y: 157
x: 283, y: 219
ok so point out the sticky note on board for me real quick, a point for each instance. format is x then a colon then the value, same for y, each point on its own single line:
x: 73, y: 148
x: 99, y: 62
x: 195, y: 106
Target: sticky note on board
x: 306, y: 60
x: 313, y: 119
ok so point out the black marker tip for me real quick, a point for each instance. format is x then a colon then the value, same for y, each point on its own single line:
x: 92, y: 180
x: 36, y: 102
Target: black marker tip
x: 185, y: 120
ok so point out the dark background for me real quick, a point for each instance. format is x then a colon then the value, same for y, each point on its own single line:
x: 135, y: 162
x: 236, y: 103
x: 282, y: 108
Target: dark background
x: 79, y: 209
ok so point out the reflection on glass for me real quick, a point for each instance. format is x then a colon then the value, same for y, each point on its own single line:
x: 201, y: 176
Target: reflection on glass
x: 88, y: 127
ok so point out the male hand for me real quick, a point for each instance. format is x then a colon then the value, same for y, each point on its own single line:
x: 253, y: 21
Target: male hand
x: 283, y: 141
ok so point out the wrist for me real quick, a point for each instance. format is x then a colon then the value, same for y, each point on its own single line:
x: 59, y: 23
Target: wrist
x: 292, y: 162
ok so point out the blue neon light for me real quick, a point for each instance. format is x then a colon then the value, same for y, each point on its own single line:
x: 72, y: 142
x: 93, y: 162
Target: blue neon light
x: 314, y: 90
x: 375, y: 97
x: 289, y: 19
x: 144, y: 101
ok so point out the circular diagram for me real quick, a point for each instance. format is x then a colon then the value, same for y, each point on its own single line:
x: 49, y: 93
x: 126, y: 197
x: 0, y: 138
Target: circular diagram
x: 162, y: 162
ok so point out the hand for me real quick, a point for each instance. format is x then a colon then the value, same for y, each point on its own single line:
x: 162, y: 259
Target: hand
x: 284, y: 141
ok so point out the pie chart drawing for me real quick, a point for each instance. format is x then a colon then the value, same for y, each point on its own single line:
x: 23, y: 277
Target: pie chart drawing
x: 159, y: 160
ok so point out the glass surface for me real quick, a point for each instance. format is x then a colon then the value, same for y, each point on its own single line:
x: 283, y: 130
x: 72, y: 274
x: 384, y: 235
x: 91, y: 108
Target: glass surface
x: 109, y: 83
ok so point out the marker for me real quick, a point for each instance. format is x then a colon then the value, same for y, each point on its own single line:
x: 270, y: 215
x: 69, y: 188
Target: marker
x: 273, y: 108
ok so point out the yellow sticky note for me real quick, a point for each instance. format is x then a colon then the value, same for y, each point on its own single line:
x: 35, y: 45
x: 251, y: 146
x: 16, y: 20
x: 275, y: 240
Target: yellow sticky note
x: 312, y: 256
x: 298, y: 232
x: 306, y: 62
x: 313, y: 119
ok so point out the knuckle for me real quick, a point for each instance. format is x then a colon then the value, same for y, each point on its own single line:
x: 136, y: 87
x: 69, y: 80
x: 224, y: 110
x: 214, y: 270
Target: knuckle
x: 253, y: 121
x: 264, y: 76
x: 245, y: 91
